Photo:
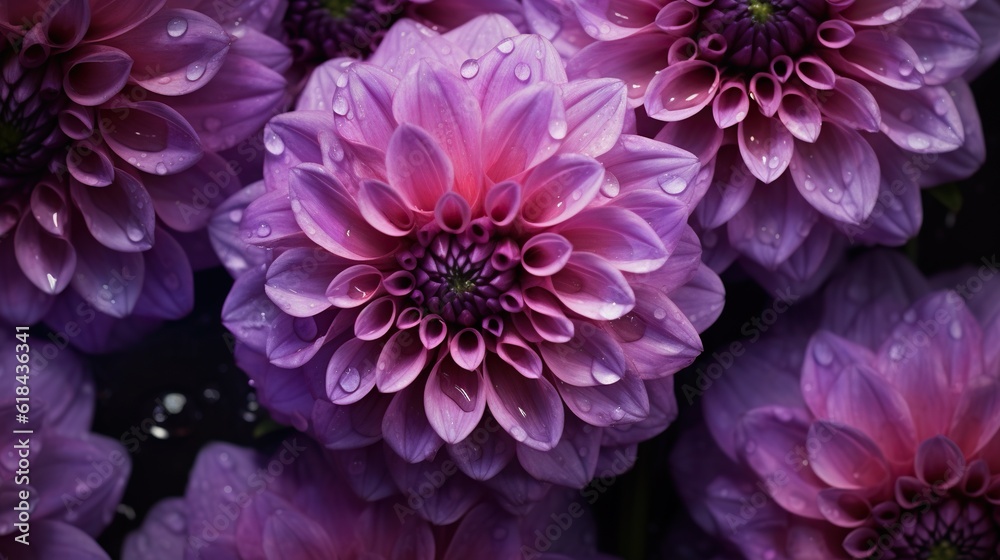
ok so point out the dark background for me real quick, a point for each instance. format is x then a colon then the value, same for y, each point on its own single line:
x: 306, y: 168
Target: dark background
x: 192, y: 357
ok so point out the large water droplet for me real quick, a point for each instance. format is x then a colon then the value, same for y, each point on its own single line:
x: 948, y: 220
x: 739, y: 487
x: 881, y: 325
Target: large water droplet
x: 893, y: 14
x: 177, y: 26
x: 617, y: 414
x: 822, y: 353
x: 522, y: 71
x: 134, y: 232
x: 236, y: 215
x: 518, y: 433
x: 161, y: 168
x: 469, y: 69
x: 557, y: 129
x: 671, y: 184
x: 506, y: 46
x: 610, y: 187
x: 350, y: 379
x: 263, y: 230
x: 273, y: 143
x: 195, y: 72
x: 918, y: 141
x: 340, y: 105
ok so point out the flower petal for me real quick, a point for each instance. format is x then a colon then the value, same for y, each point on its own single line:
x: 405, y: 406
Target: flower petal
x: 406, y: 427
x: 590, y: 286
x: 838, y: 174
x: 766, y: 146
x: 95, y: 73
x: 453, y: 400
x: 846, y: 458
x: 330, y: 216
x: 151, y: 136
x: 401, y: 361
x: 572, y: 462
x: 619, y: 236
x: 168, y: 287
x: 525, y: 130
x: 682, y: 90
x: 530, y: 410
x: 47, y: 260
x: 560, y: 188
x: 109, y: 280
x: 175, y: 51
x: 418, y: 168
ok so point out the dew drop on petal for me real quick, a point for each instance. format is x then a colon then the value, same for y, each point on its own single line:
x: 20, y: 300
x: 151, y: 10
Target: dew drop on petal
x: 195, y: 72
x: 617, y: 414
x: 161, y: 168
x: 955, y: 330
x: 342, y: 80
x: 610, y: 187
x: 905, y: 68
x: 134, y: 232
x: 177, y: 27
x: 822, y: 353
x: 273, y: 143
x: 506, y: 46
x: 350, y: 380
x: 263, y: 230
x: 522, y: 71
x: 518, y: 433
x: 469, y: 69
x: 340, y: 105
x: 893, y: 14
x: 236, y: 215
x: 671, y: 184
x: 557, y: 129
x: 918, y: 141
x: 584, y: 404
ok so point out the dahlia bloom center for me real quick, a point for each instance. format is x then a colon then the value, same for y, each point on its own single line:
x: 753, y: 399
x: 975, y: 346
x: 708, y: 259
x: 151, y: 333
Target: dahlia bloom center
x: 30, y: 101
x: 461, y: 276
x: 752, y: 33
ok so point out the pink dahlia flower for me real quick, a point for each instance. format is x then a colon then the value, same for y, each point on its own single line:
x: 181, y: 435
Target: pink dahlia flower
x: 455, y: 233
x: 876, y: 437
x: 109, y: 116
x: 297, y: 503
x: 74, y: 479
x: 817, y: 120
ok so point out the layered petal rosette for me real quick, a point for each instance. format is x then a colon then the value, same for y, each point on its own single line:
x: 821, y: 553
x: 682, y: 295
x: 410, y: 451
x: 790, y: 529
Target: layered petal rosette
x: 818, y: 121
x: 320, y: 30
x: 460, y: 235
x: 110, y: 117
x: 298, y: 504
x: 73, y: 479
x: 875, y: 437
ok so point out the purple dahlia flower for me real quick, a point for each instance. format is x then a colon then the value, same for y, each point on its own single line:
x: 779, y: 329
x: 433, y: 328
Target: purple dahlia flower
x: 875, y: 437
x: 457, y: 234
x: 818, y: 120
x: 297, y: 504
x: 74, y: 479
x: 109, y: 116
x: 320, y: 30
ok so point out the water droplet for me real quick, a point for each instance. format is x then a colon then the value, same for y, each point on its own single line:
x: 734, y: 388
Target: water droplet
x: 177, y: 26
x: 955, y: 330
x: 611, y: 187
x: 236, y: 215
x: 671, y: 184
x: 350, y: 379
x: 340, y: 105
x: 918, y: 141
x: 584, y: 404
x: 469, y: 69
x: 773, y: 162
x: 134, y: 232
x: 941, y: 106
x: 273, y: 143
x: 557, y: 129
x: 660, y: 314
x: 342, y: 80
x: 161, y: 168
x: 905, y: 68
x: 506, y: 46
x: 518, y: 433
x: 893, y: 14
x: 263, y: 230
x: 617, y: 414
x: 195, y: 72
x: 522, y: 71
x: 822, y: 353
